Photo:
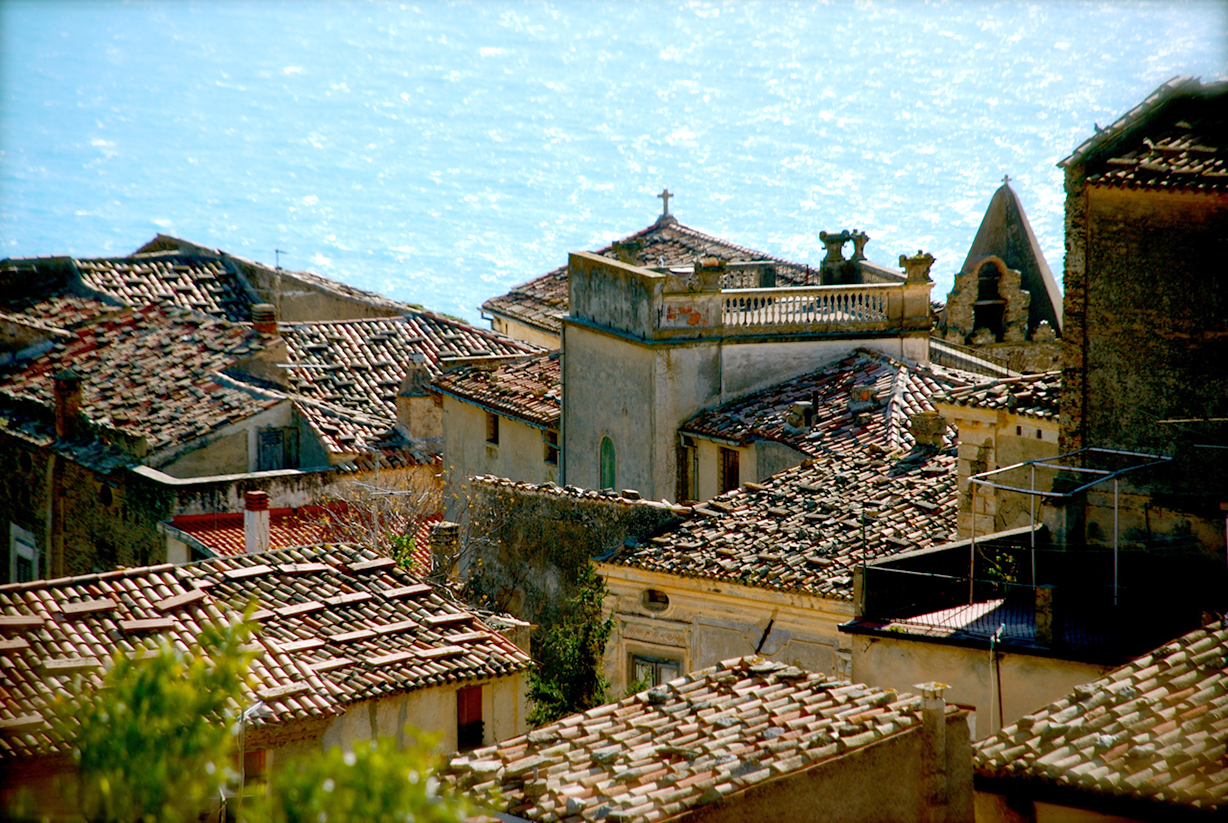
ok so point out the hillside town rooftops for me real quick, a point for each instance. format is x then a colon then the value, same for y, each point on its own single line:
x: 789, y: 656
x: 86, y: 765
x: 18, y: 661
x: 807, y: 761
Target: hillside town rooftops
x: 1176, y: 140
x: 337, y: 625
x: 362, y: 364
x: 1032, y: 395
x: 543, y: 301
x: 700, y: 739
x: 155, y: 371
x: 1153, y: 730
x: 866, y: 399
x: 528, y: 389
x: 806, y: 528
x: 191, y: 281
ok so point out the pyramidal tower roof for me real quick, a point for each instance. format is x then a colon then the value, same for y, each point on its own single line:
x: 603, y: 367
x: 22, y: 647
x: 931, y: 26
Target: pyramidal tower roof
x: 1006, y: 233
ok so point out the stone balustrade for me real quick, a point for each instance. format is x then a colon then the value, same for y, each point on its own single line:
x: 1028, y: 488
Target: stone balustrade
x: 769, y: 308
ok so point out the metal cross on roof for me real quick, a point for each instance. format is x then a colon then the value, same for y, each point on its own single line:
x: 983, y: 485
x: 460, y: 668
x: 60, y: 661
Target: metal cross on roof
x: 665, y: 195
x: 1006, y: 178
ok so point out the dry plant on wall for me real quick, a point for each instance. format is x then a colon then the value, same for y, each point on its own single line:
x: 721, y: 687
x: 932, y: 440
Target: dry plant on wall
x: 389, y: 513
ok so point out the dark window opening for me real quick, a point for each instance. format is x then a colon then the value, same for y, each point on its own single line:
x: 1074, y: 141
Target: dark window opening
x: 688, y: 471
x: 653, y: 671
x: 551, y: 437
x: 609, y: 472
x: 492, y: 428
x: 469, y: 728
x: 1019, y: 430
x: 989, y: 311
x: 271, y: 450
x: 727, y: 470
x: 655, y: 600
x: 1038, y: 435
x: 105, y: 496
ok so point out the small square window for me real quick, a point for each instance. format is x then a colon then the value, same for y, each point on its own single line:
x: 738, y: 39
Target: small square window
x: 492, y: 428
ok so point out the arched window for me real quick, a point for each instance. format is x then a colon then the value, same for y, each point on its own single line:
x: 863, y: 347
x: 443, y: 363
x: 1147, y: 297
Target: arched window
x: 607, y: 463
x: 989, y: 309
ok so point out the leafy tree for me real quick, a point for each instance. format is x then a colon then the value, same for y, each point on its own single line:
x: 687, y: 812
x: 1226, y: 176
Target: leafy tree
x: 374, y: 782
x: 568, y: 673
x: 154, y: 743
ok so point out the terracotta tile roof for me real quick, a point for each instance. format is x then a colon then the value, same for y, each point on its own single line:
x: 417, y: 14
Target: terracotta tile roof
x: 204, y: 284
x: 1033, y: 395
x: 1176, y: 139
x: 361, y: 364
x: 844, y: 420
x: 696, y: 740
x: 154, y: 371
x: 168, y: 243
x: 223, y: 534
x: 1154, y: 729
x: 338, y: 625
x: 541, y: 302
x: 801, y: 530
x: 526, y: 389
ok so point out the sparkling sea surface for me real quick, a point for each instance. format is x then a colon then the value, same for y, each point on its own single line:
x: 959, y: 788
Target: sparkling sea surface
x: 443, y: 152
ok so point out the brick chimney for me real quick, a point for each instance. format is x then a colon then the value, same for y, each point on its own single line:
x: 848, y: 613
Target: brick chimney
x: 264, y: 318
x: 68, y: 422
x: 256, y: 522
x: 445, y: 546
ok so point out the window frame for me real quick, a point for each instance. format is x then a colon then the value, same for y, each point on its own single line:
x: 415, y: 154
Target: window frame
x: 656, y: 664
x: 725, y: 458
x: 23, y: 546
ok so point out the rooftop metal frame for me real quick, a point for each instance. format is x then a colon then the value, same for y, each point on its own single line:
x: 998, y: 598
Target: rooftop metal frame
x: 1054, y: 463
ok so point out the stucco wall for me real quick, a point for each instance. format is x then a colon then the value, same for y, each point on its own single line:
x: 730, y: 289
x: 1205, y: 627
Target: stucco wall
x: 1028, y: 682
x: 519, y: 455
x: 232, y: 450
x: 884, y: 781
x: 524, y: 332
x: 708, y: 621
x: 432, y: 710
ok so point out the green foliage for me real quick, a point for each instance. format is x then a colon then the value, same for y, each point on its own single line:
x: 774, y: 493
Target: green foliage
x: 401, y: 548
x: 567, y: 676
x: 154, y: 743
x: 374, y: 782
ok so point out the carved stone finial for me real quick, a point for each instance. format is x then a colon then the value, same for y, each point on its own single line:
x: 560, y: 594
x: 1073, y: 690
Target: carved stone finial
x: 835, y: 245
x: 629, y: 251
x: 917, y: 267
x: 859, y: 238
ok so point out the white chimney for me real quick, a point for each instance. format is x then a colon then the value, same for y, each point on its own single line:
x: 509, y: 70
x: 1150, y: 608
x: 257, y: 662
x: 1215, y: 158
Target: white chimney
x: 256, y: 522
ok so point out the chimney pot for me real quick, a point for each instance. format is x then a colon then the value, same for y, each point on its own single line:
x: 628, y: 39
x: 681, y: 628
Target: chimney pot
x: 256, y: 522
x: 264, y: 318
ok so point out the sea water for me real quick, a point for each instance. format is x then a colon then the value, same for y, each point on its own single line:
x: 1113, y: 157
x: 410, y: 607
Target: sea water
x: 443, y: 152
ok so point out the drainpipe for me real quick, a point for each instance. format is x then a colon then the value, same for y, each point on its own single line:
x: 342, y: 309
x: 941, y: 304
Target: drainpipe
x: 994, y: 685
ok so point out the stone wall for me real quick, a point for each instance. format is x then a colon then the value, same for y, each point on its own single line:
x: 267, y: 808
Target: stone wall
x: 523, y: 544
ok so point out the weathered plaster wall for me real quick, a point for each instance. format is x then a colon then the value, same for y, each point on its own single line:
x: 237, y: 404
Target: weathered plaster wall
x: 708, y: 621
x: 524, y: 332
x: 432, y: 710
x: 519, y: 455
x: 884, y: 781
x: 1028, y: 682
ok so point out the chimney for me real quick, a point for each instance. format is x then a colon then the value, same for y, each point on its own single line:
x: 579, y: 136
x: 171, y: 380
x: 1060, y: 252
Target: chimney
x: 256, y: 522
x: 927, y: 428
x: 418, y: 413
x: 934, y: 788
x: 68, y: 422
x: 445, y: 547
x: 264, y: 318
